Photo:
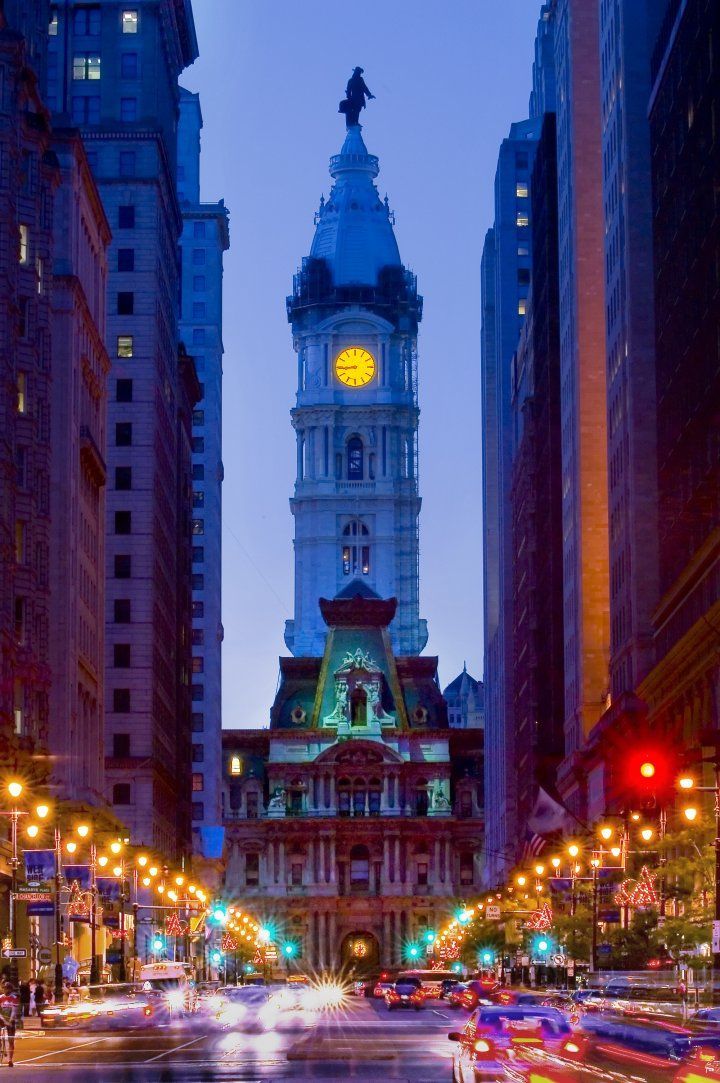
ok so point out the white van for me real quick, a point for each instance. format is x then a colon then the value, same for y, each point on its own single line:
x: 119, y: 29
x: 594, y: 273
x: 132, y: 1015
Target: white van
x: 175, y: 982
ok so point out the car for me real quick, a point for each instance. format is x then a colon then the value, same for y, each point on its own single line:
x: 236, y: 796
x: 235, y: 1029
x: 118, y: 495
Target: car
x: 498, y: 1042
x: 107, y: 1007
x: 237, y: 1006
x: 447, y: 985
x: 381, y: 987
x: 405, y: 993
x: 469, y: 995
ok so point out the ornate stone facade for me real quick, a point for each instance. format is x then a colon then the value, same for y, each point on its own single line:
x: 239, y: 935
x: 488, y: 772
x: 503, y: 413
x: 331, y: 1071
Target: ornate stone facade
x: 357, y: 817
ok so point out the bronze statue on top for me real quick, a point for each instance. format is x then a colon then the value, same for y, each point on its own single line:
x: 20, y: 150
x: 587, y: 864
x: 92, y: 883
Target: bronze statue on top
x: 356, y: 92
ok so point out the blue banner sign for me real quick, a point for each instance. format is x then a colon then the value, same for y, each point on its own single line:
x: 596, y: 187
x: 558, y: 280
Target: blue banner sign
x: 39, y: 865
x: 80, y: 873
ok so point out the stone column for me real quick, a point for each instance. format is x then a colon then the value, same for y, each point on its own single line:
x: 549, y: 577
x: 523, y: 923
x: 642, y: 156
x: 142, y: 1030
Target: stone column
x: 435, y: 878
x: 271, y: 861
x: 333, y: 798
x: 385, y: 798
x: 448, y: 863
x: 311, y: 862
x: 396, y: 877
x: 386, y: 953
x: 386, y: 860
x: 332, y: 936
x: 281, y: 864
x: 333, y: 861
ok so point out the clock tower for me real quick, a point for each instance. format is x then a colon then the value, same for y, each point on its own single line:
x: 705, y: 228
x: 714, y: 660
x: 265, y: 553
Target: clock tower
x: 354, y: 312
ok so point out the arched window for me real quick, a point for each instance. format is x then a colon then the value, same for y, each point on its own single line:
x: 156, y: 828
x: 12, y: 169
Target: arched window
x: 121, y: 793
x: 235, y: 765
x: 359, y: 868
x: 355, y: 459
x: 358, y: 707
x: 344, y: 789
x: 374, y: 796
x: 355, y: 549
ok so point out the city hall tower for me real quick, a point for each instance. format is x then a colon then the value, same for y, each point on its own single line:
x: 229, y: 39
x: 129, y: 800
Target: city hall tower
x: 354, y: 313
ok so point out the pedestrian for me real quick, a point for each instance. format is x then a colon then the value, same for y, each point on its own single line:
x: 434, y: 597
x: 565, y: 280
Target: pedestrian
x: 24, y: 999
x: 9, y: 1007
x: 33, y: 985
x: 39, y: 999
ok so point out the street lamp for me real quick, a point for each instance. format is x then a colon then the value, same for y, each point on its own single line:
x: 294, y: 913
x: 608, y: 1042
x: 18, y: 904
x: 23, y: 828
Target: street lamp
x: 15, y: 789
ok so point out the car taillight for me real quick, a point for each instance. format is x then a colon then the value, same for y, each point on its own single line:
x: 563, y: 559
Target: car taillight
x: 571, y: 1047
x: 147, y: 1010
x: 482, y: 1047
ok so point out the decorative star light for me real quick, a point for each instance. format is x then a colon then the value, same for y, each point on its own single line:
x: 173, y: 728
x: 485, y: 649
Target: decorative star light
x: 80, y: 902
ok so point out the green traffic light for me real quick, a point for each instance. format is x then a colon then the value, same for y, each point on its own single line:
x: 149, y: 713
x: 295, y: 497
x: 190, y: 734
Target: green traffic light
x: 289, y: 949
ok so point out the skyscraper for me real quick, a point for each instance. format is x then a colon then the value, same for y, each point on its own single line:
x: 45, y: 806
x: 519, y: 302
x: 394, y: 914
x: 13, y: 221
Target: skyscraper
x: 354, y: 312
x: 113, y: 73
x: 582, y: 377
x: 205, y: 238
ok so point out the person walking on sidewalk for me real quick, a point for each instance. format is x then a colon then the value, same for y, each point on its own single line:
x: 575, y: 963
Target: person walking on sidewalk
x: 9, y: 1007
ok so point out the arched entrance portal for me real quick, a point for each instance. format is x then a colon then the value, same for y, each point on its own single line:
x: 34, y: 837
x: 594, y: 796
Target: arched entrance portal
x: 360, y: 953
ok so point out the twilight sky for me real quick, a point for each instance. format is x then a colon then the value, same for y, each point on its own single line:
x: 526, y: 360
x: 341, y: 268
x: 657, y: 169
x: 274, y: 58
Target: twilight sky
x: 449, y: 79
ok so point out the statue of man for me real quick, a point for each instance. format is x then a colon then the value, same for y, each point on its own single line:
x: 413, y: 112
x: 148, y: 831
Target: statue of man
x: 356, y: 93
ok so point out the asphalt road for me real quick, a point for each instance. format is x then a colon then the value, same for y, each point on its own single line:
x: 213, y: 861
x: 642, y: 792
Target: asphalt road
x: 362, y: 1041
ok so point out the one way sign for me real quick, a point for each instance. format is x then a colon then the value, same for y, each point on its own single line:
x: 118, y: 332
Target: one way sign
x: 14, y: 953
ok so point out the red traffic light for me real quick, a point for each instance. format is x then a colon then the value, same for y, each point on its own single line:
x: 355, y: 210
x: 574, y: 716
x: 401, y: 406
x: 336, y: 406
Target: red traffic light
x: 647, y: 769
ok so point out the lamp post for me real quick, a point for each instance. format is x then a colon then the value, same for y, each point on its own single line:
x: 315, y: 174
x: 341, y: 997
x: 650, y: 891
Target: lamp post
x: 56, y: 913
x: 14, y: 789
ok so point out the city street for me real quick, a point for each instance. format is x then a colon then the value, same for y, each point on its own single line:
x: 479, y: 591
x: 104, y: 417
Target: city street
x: 362, y: 1041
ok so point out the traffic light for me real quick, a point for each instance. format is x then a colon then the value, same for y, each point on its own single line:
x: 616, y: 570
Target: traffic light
x: 219, y: 914
x: 541, y: 945
x: 288, y: 949
x: 429, y: 937
x: 158, y: 944
x: 413, y: 951
x: 216, y: 957
x: 650, y: 772
x: 487, y: 957
x: 463, y: 915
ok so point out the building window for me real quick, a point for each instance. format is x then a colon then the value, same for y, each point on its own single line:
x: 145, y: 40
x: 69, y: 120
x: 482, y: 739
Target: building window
x: 198, y: 310
x: 53, y: 24
x: 523, y: 251
x: 198, y: 336
x: 21, y: 393
x: 198, y: 665
x: 197, y: 692
x: 198, y: 782
x: 522, y: 306
x: 422, y: 873
x: 355, y: 551
x: 123, y: 564
x: 128, y: 110
x: 199, y: 283
x: 127, y: 163
x: 123, y: 478
x: 521, y: 159
x: 199, y: 231
x: 422, y: 802
x: 523, y: 276
x: 522, y: 220
x: 129, y: 65
x: 197, y: 581
x: 235, y: 765
x: 198, y: 472
x: 198, y: 498
x: 197, y: 637
x: 197, y: 722
x: 521, y: 190
x: 198, y: 417
x: 126, y: 259
x: 355, y: 459
x: 125, y: 346
x: 126, y: 217
x: 198, y: 554
x: 123, y: 522
x: 20, y: 541
x: 198, y: 256
x: 19, y: 621
x: 125, y: 303
x: 86, y: 108
x: 252, y: 806
x: 466, y: 869
x: 359, y: 868
x: 86, y: 21
x: 121, y: 700
x: 296, y: 871
x: 86, y: 66
x: 198, y: 810
x: 130, y: 21
x: 252, y: 869
x: 465, y: 805
x: 198, y: 445
x: 198, y: 610
x: 198, y: 526
x: 121, y: 746
x: 121, y: 655
x: 122, y: 611
x: 123, y: 434
x: 24, y: 249
x: 121, y: 793
x: 20, y: 466
x: 198, y: 753
x: 123, y: 390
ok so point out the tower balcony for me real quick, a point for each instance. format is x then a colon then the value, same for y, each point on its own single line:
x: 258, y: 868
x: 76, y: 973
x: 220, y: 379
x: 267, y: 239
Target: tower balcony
x: 356, y: 487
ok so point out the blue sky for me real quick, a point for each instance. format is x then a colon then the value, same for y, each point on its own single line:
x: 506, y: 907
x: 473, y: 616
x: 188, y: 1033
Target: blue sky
x: 449, y: 78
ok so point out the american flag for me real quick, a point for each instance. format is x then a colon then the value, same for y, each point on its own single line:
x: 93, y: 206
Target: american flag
x: 532, y: 847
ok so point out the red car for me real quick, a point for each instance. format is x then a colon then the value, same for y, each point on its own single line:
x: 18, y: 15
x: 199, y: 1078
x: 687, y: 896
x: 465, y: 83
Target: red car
x: 503, y: 1043
x: 405, y: 993
x: 468, y: 995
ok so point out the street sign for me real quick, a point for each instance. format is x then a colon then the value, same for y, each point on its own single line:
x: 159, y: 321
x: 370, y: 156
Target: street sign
x: 14, y: 953
x: 44, y: 956
x: 605, y: 949
x: 492, y: 913
x: 716, y: 937
x: 32, y: 896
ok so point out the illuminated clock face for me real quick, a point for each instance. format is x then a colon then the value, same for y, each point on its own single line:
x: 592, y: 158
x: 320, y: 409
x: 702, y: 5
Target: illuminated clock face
x: 355, y: 367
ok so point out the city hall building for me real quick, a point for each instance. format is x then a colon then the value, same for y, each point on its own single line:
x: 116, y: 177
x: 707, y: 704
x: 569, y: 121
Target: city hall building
x: 354, y: 823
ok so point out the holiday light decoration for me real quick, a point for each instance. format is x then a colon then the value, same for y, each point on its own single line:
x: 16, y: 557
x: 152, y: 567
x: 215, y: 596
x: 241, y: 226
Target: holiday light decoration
x: 228, y: 943
x: 639, y: 893
x: 80, y: 902
x: 360, y: 949
x: 175, y: 926
x: 540, y: 920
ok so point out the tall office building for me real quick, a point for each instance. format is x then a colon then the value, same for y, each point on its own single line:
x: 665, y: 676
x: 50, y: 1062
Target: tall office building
x: 685, y: 152
x: 27, y: 183
x: 80, y: 368
x: 205, y: 238
x: 582, y: 377
x: 506, y: 268
x: 113, y: 72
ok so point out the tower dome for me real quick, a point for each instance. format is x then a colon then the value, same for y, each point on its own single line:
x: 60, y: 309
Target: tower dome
x: 354, y: 232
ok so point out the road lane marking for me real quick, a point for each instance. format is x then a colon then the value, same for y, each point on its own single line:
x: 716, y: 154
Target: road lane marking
x: 63, y: 1049
x: 176, y: 1049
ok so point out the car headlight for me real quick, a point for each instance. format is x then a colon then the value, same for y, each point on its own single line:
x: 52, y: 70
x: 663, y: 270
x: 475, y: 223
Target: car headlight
x: 175, y: 999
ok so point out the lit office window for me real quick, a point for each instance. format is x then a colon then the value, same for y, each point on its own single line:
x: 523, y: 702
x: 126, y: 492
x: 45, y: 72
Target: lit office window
x: 125, y: 346
x: 24, y: 244
x: 86, y: 66
x: 198, y: 784
x: 522, y: 306
x: 235, y: 765
x: 521, y: 190
x: 21, y: 393
x: 53, y: 24
x: 522, y: 220
x: 130, y: 22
